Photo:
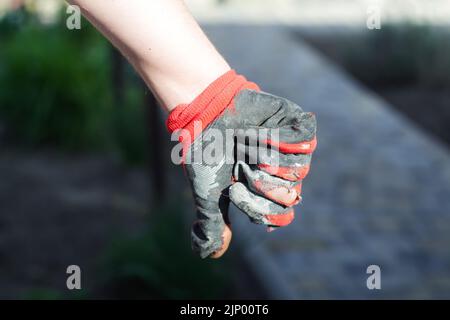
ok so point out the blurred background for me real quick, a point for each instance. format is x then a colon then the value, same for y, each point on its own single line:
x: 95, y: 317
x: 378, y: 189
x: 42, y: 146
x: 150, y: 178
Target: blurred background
x: 81, y: 183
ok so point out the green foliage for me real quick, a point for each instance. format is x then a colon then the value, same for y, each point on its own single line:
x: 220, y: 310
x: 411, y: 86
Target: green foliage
x: 128, y: 127
x: 159, y: 264
x: 53, y: 87
x: 56, y: 89
x: 52, y: 294
x: 43, y: 294
x: 12, y: 21
x: 402, y: 54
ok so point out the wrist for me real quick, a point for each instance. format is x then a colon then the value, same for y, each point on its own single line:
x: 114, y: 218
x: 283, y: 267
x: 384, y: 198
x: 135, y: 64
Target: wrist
x: 175, y: 87
x: 209, y: 104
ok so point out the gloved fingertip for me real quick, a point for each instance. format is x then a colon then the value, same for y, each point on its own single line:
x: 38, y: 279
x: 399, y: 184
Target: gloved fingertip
x: 280, y: 220
x: 309, y: 114
x: 282, y: 195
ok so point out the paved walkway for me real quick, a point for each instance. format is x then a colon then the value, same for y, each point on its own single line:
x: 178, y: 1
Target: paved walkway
x: 378, y: 192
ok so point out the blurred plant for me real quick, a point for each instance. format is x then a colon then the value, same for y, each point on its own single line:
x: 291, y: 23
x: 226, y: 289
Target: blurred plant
x: 42, y: 294
x: 55, y: 88
x: 401, y: 54
x: 128, y: 127
x: 10, y: 22
x: 159, y: 264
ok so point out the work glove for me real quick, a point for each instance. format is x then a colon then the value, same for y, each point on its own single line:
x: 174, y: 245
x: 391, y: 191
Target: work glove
x: 243, y: 145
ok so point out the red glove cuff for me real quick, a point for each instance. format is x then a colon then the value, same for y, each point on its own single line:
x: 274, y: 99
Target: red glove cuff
x: 209, y: 104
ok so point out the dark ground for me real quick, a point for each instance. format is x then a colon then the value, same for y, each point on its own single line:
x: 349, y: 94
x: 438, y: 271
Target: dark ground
x: 59, y: 209
x: 429, y: 108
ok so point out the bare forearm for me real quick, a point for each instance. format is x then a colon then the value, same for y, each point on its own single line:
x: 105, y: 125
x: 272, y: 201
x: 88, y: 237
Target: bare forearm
x: 162, y: 41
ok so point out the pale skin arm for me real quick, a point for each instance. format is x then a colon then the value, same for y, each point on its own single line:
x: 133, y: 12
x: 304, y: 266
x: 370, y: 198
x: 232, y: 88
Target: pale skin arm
x: 166, y: 46
x: 163, y: 42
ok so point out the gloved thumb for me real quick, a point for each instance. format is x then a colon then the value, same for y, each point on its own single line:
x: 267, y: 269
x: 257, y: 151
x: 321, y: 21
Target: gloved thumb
x: 211, y: 233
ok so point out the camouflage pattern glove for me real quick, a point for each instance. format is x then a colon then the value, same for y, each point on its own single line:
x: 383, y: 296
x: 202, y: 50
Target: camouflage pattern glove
x: 264, y: 185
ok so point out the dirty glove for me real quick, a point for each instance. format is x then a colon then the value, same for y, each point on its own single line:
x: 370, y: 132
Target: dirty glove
x: 217, y: 127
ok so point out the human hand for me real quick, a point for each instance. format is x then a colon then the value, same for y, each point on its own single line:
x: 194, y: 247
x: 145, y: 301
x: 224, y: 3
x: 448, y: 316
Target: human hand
x: 264, y: 185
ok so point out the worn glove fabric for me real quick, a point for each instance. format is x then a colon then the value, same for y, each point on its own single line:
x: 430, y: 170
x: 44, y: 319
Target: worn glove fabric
x: 267, y: 184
